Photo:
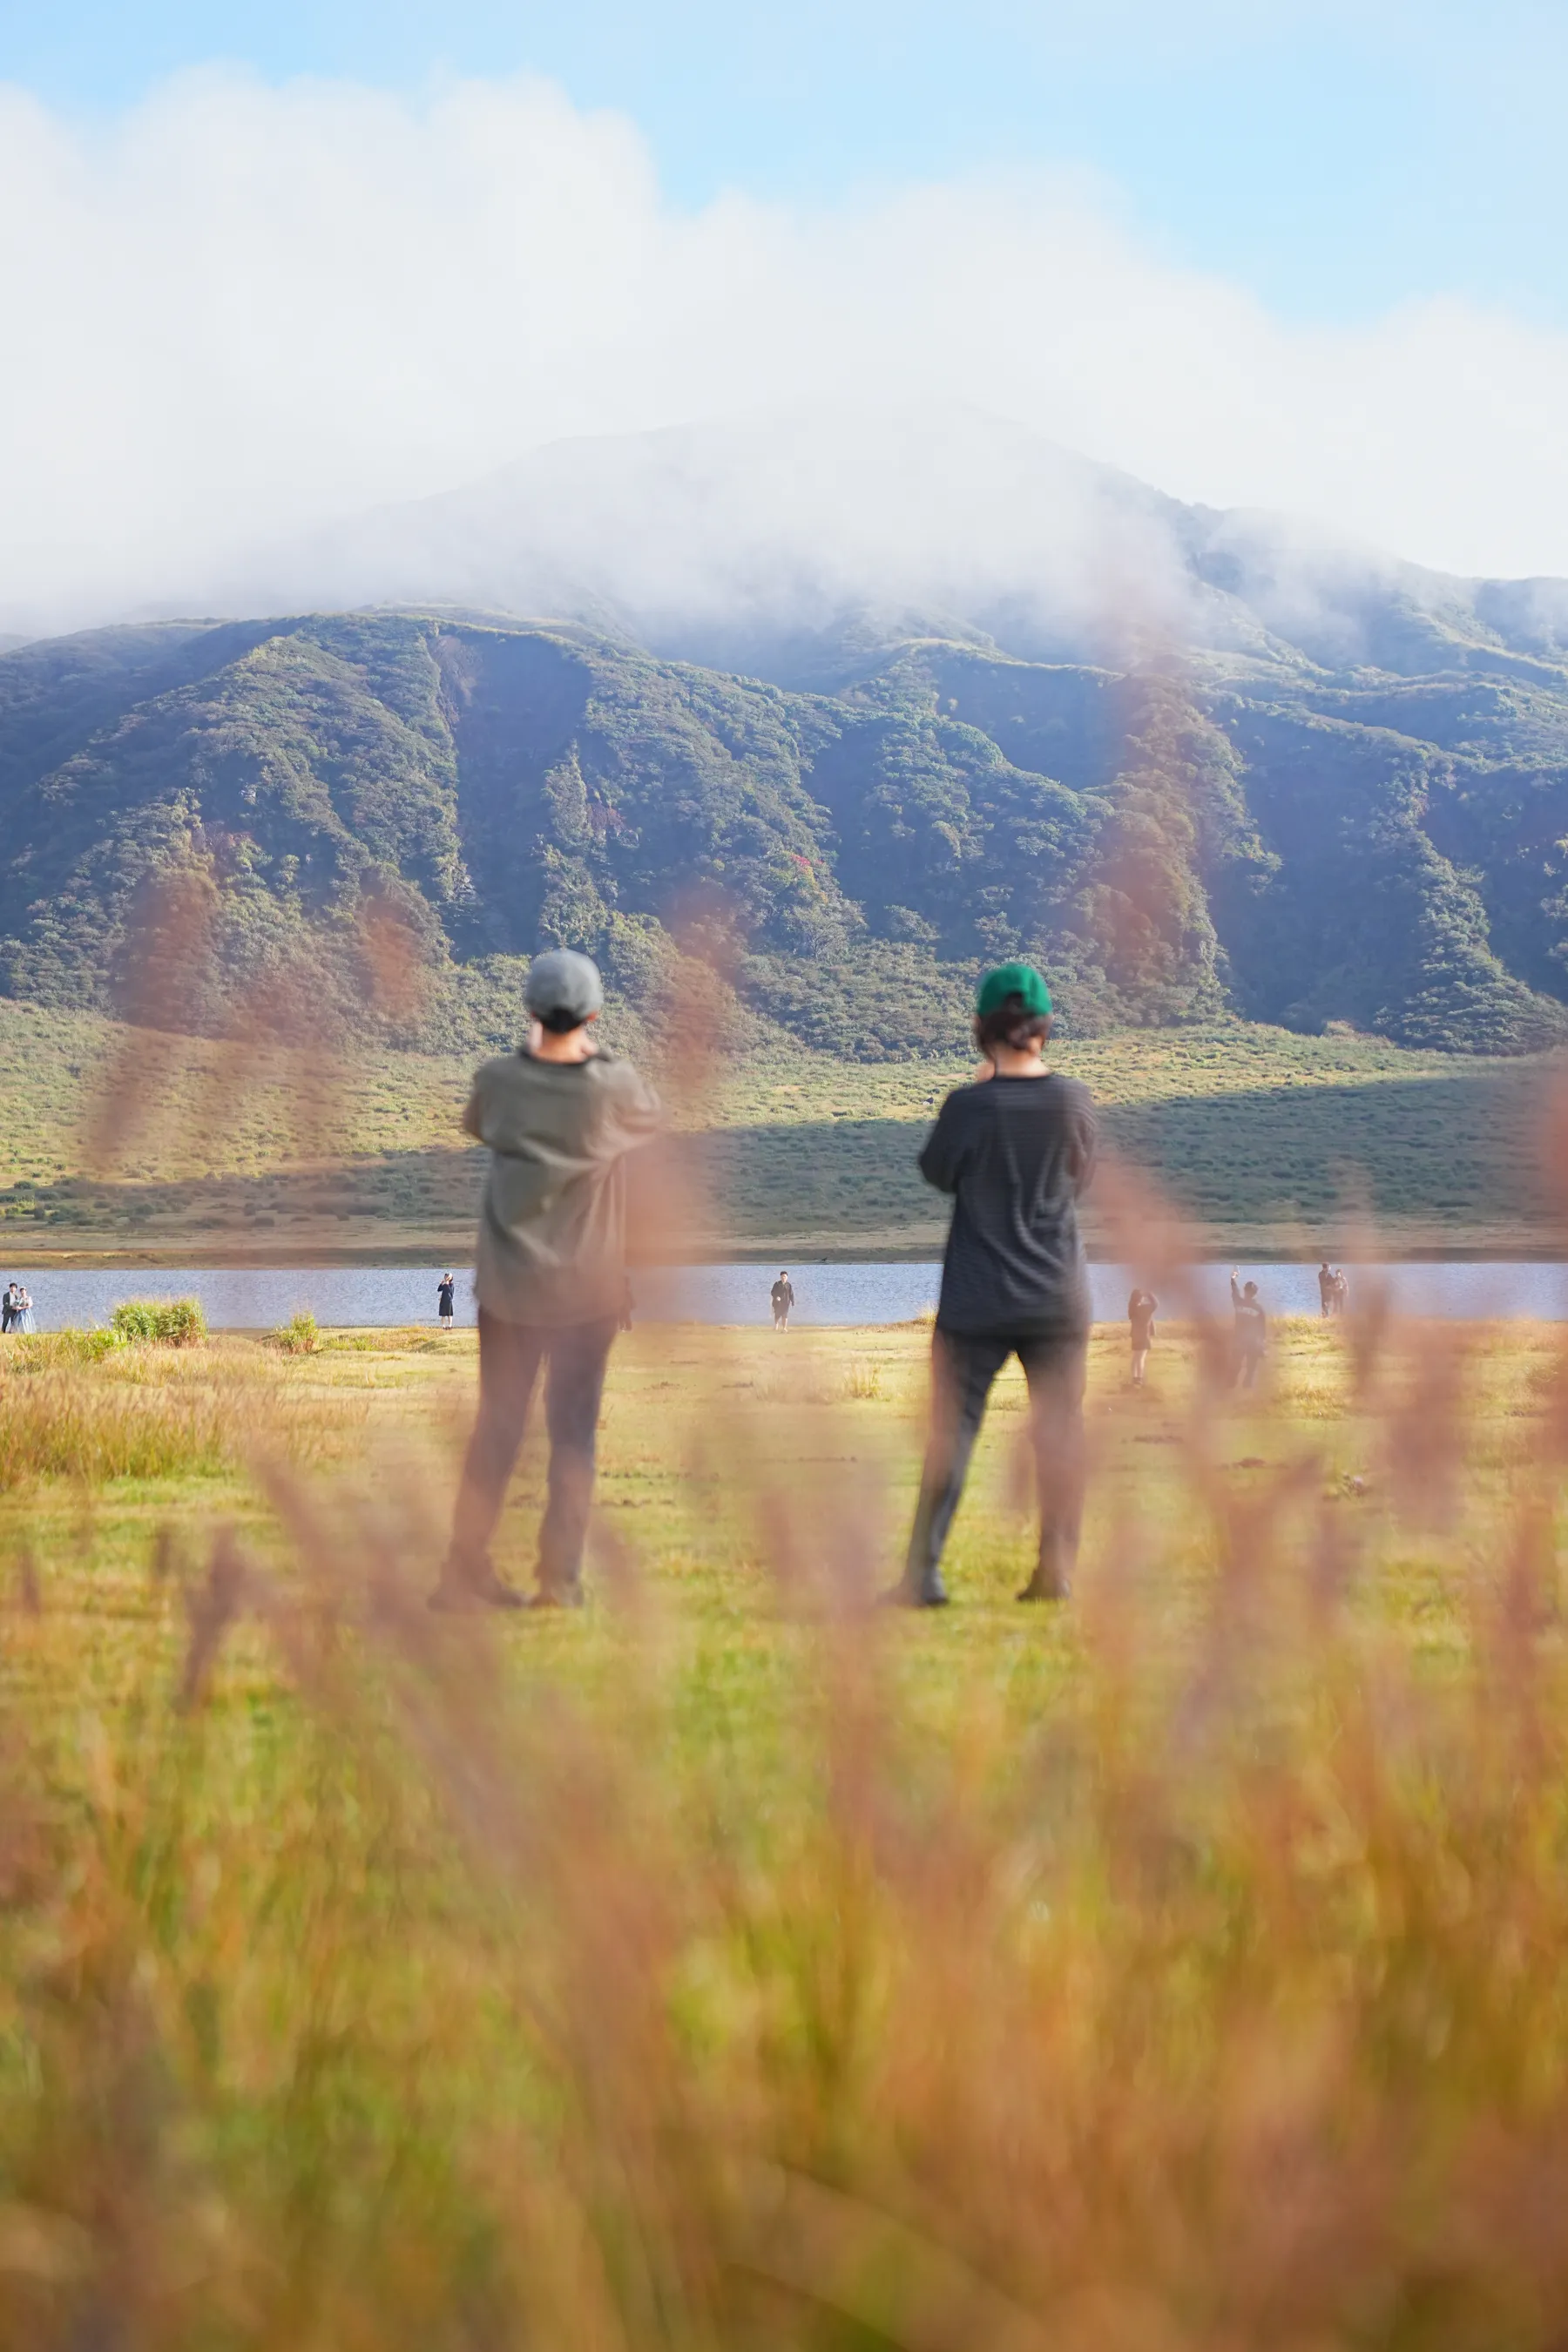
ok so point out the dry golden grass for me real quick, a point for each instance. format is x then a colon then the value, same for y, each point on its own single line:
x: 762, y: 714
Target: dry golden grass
x: 72, y: 1409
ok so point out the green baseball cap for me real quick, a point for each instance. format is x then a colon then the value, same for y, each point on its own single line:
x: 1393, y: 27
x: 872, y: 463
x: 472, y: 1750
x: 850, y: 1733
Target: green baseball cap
x: 1012, y: 980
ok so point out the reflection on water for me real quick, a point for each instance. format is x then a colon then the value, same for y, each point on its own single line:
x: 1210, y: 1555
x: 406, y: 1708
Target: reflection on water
x: 259, y: 1298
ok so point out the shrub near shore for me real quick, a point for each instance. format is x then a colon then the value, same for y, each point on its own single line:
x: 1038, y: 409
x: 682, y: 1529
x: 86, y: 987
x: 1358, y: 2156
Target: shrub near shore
x: 744, y: 1965
x: 169, y: 1322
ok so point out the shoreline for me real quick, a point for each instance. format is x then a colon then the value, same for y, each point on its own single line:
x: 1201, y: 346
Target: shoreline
x: 1209, y: 1246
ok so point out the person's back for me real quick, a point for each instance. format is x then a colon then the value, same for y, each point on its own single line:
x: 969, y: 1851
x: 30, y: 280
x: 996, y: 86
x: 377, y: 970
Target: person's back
x: 1252, y: 1327
x: 552, y: 1226
x: 559, y: 1119
x: 1014, y: 1149
x: 1015, y: 1152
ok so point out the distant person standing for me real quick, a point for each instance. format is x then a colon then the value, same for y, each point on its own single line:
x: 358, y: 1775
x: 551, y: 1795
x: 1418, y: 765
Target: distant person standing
x: 1016, y: 1149
x: 8, y: 1308
x: 783, y: 1297
x: 1341, y: 1290
x: 24, y: 1316
x: 447, y: 1300
x: 1141, y: 1309
x: 1251, y: 1331
x: 1325, y: 1289
x: 559, y: 1117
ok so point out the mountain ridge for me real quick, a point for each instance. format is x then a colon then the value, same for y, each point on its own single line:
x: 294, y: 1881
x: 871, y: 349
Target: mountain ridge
x: 855, y: 710
x: 1171, y: 842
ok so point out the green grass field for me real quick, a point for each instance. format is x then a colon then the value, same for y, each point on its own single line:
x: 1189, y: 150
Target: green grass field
x: 832, y: 1408
x: 163, y: 1147
x: 737, y: 1964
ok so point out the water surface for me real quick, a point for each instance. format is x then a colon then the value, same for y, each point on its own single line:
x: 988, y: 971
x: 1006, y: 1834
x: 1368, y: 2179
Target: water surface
x: 259, y: 1298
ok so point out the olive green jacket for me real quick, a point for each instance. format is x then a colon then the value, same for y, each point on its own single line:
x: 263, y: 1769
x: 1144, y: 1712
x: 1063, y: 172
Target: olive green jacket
x: 553, y: 1229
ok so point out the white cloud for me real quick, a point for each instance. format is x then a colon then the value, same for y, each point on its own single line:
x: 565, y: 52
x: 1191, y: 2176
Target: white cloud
x: 238, y: 312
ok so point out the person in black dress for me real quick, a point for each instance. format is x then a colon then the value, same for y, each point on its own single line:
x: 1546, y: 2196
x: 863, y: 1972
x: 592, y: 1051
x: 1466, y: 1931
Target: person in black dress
x: 447, y: 1300
x: 1141, y: 1309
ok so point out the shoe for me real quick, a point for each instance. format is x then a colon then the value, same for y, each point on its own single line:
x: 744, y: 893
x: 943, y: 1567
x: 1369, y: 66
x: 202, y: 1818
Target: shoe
x: 1038, y: 1588
x: 461, y: 1595
x: 558, y: 1596
x: 933, y: 1594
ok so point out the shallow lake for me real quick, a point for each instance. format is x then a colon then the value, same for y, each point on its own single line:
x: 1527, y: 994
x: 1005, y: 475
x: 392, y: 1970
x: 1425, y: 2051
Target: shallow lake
x: 257, y: 1299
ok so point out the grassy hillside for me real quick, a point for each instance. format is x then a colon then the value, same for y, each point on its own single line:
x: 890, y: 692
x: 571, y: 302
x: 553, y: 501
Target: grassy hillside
x: 354, y: 826
x: 1267, y: 1137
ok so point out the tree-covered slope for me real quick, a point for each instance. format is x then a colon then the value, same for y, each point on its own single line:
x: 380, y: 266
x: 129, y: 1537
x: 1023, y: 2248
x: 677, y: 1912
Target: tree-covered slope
x: 366, y: 821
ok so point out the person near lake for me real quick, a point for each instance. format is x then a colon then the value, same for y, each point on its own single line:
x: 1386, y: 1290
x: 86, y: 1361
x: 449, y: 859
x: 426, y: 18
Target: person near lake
x: 25, y: 1320
x: 1325, y: 1290
x: 1251, y: 1331
x: 559, y: 1118
x: 1342, y: 1296
x: 447, y: 1300
x: 1141, y: 1309
x: 8, y: 1308
x: 781, y: 1295
x: 1015, y: 1149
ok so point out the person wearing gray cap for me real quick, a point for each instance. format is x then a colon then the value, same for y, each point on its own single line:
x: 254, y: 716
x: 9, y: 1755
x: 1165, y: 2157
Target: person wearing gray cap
x: 559, y: 1118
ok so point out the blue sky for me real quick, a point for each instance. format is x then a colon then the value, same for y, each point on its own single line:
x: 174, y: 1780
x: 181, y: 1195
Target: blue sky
x: 271, y: 264
x: 1333, y: 160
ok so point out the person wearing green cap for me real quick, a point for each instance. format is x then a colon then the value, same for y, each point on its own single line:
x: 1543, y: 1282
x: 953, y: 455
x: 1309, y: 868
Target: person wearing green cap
x: 1016, y: 1149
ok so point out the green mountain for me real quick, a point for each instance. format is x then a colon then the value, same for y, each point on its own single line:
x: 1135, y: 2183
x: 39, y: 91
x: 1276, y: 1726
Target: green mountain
x: 362, y: 822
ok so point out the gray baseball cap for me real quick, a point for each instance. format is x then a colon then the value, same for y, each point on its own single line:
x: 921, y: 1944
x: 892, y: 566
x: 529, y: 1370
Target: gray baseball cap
x: 564, y: 982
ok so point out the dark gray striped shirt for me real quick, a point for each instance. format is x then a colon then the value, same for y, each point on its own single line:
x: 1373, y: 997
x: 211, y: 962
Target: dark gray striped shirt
x: 1016, y: 1153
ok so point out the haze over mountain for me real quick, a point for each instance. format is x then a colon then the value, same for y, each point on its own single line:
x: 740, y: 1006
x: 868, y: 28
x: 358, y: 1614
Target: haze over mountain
x: 875, y: 698
x: 777, y: 545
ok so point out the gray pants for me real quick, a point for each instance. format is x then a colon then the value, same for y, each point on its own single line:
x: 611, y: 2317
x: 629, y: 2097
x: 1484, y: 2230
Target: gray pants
x: 963, y: 1370
x: 511, y: 1356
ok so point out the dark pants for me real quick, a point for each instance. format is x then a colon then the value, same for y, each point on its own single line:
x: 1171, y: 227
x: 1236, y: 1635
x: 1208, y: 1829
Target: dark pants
x: 963, y: 1370
x: 510, y: 1355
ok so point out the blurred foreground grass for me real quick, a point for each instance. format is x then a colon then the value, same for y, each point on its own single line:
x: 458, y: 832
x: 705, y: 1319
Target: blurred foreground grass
x: 738, y: 1965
